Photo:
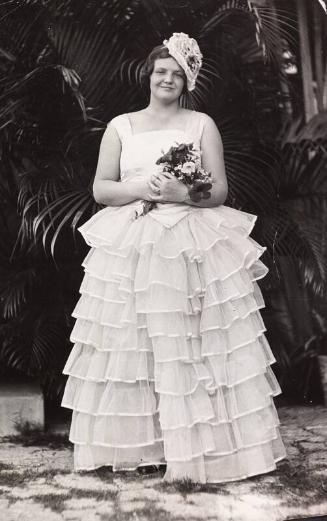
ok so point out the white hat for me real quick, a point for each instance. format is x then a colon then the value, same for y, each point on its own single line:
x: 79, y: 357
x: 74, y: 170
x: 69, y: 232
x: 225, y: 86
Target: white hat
x: 187, y: 53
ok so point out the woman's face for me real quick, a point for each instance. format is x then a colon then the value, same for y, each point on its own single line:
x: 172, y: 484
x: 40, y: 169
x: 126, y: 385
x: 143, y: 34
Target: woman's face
x: 167, y: 79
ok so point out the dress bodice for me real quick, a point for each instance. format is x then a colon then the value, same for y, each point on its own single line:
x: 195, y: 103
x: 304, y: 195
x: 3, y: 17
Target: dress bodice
x: 141, y: 150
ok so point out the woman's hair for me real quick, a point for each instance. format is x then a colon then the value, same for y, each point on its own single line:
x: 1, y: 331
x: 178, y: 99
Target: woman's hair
x: 160, y: 51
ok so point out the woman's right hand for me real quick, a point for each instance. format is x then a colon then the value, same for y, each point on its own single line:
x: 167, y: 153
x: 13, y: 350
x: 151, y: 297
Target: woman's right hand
x: 143, y: 189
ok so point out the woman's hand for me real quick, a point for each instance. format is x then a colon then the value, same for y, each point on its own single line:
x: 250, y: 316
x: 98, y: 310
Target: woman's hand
x: 142, y: 189
x: 166, y: 188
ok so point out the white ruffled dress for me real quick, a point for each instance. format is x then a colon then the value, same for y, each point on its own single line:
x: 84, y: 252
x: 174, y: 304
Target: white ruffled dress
x: 170, y: 364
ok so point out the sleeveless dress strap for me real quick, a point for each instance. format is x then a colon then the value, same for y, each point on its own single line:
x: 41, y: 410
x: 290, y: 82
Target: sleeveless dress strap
x: 196, y: 126
x: 122, y: 126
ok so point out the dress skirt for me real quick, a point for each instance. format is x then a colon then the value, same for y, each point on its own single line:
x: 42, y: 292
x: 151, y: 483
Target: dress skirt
x: 170, y: 364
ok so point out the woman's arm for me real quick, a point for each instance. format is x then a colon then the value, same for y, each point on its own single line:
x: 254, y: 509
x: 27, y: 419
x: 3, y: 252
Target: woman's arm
x: 213, y: 162
x: 173, y: 190
x: 107, y: 189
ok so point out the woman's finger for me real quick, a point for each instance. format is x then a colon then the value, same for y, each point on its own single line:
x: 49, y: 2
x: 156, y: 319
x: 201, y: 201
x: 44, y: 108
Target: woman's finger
x: 155, y: 179
x: 158, y: 179
x: 153, y: 187
x: 156, y: 198
x: 167, y: 175
x: 155, y: 182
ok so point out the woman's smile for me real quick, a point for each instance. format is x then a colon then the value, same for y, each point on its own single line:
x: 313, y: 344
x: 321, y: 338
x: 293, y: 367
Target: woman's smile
x: 167, y: 75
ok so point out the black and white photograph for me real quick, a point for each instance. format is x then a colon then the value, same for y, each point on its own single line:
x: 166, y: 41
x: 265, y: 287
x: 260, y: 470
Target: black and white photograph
x: 163, y: 260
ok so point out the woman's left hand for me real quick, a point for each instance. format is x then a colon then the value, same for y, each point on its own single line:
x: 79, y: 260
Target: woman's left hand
x: 168, y: 188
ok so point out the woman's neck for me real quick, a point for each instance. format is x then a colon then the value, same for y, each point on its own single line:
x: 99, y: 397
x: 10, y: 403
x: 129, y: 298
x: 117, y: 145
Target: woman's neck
x: 159, y: 109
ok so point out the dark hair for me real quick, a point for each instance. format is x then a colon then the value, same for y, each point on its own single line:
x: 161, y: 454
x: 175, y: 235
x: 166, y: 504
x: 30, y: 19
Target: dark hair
x: 160, y: 51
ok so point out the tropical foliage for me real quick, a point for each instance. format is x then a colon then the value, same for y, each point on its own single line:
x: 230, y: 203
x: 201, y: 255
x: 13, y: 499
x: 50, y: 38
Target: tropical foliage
x: 68, y: 67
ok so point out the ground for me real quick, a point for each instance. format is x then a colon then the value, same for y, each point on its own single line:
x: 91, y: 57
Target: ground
x: 37, y: 483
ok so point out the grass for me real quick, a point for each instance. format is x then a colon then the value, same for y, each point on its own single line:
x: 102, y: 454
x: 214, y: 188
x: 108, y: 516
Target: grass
x: 295, y: 485
x: 30, y: 436
x: 5, y: 466
x: 12, y: 478
x: 186, y: 486
x: 143, y: 514
x: 99, y: 495
x: 148, y: 513
x: 300, y: 482
x: 292, y: 482
x: 55, y: 502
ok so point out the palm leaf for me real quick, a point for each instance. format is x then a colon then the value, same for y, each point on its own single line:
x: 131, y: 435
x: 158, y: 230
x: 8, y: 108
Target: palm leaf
x: 36, y: 351
x: 66, y: 210
x: 223, y: 12
x: 323, y: 5
x: 161, y: 21
x: 92, y: 49
x: 15, y: 287
x: 296, y: 227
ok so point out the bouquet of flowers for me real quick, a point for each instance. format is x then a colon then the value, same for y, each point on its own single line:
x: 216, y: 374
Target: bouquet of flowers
x: 184, y: 162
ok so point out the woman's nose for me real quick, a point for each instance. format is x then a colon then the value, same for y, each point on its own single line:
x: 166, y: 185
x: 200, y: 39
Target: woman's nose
x: 168, y: 77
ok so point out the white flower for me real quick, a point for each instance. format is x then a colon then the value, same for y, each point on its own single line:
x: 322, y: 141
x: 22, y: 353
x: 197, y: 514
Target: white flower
x: 187, y: 53
x: 196, y: 153
x: 188, y: 167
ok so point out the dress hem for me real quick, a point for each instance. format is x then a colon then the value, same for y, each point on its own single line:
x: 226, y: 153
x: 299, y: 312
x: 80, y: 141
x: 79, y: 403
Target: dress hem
x: 131, y: 469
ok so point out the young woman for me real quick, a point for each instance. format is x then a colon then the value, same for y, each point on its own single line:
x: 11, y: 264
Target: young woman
x: 170, y: 363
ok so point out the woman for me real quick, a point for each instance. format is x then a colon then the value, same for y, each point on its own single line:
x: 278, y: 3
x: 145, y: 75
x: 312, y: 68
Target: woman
x: 170, y: 364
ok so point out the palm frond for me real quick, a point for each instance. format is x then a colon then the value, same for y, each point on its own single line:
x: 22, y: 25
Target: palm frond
x: 93, y: 50
x: 34, y: 352
x: 225, y: 11
x: 49, y: 222
x: 15, y: 287
x: 323, y: 5
x: 294, y: 226
x: 161, y: 21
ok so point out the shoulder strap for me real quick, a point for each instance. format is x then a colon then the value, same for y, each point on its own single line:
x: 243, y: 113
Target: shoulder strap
x: 122, y: 125
x: 196, y: 126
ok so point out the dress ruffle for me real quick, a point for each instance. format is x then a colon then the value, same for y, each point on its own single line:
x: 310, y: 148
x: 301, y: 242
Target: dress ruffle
x: 170, y: 363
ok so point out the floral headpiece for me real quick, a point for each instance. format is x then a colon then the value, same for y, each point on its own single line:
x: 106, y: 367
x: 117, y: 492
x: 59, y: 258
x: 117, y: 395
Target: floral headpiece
x: 187, y: 53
